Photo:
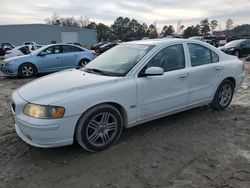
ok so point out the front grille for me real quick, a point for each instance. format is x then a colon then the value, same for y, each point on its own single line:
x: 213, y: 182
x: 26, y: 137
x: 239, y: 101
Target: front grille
x: 13, y: 106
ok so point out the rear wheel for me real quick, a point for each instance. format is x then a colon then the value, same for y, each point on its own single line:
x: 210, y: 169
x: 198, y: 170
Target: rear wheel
x: 223, y: 95
x: 99, y: 128
x: 27, y: 70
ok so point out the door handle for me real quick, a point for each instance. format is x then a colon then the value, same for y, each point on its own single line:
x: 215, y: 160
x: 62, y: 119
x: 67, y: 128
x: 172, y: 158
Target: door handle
x: 183, y: 76
x: 57, y: 57
x: 218, y: 69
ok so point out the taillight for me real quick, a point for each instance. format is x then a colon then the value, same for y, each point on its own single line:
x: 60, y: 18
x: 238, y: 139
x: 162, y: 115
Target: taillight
x: 94, y: 53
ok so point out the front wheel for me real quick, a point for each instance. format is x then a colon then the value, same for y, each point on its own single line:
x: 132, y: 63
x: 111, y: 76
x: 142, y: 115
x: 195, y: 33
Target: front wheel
x: 27, y: 70
x: 223, y: 95
x: 99, y: 128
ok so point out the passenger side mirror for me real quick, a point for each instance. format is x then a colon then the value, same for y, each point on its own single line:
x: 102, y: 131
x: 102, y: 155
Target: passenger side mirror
x: 43, y: 54
x: 153, y: 71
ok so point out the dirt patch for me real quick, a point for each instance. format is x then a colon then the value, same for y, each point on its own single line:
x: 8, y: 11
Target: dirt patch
x: 195, y: 148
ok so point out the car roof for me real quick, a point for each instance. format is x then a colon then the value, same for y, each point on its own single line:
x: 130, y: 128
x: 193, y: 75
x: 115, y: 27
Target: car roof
x: 159, y: 42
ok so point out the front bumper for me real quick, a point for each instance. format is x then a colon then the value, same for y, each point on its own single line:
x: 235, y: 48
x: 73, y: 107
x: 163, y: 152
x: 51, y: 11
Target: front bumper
x: 8, y: 70
x: 44, y: 133
x: 46, y: 136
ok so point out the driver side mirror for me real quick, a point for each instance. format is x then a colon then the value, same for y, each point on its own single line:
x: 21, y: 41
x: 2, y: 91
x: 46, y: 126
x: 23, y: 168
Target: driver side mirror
x: 43, y: 54
x: 153, y: 71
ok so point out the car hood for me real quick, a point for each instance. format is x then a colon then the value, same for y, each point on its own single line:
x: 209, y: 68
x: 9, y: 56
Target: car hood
x: 23, y: 57
x: 62, y: 85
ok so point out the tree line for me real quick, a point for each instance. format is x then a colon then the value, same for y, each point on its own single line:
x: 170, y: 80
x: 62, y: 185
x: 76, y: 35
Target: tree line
x: 126, y: 29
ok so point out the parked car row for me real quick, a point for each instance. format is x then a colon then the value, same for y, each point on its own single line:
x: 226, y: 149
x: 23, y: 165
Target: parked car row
x: 103, y: 47
x: 50, y: 58
x: 210, y: 39
x: 5, y: 47
x: 239, y: 48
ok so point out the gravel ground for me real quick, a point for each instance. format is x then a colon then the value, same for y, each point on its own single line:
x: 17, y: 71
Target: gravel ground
x: 195, y: 148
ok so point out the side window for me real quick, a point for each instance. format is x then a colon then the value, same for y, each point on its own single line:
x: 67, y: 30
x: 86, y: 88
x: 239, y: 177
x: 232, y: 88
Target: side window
x: 69, y: 49
x: 52, y: 50
x: 200, y: 55
x: 170, y: 58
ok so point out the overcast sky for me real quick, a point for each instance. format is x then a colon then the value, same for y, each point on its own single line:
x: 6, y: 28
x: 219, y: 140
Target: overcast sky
x: 106, y: 11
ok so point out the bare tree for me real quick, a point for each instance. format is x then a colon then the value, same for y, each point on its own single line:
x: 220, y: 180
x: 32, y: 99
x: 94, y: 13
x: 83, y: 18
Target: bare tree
x: 180, y: 27
x: 83, y: 21
x: 213, y: 25
x: 229, y: 24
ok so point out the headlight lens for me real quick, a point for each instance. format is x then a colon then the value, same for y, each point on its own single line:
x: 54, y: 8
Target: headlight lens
x: 44, y: 112
x: 231, y: 49
x: 9, y: 63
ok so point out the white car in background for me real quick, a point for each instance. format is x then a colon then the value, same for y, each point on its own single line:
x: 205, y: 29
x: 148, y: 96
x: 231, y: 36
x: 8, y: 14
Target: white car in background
x: 17, y: 51
x: 132, y: 83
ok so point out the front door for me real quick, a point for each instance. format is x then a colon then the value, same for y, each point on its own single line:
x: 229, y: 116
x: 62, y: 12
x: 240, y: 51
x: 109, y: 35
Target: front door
x: 50, y: 59
x: 157, y: 95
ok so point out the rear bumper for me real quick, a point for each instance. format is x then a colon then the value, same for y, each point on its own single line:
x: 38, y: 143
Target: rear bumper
x: 239, y: 80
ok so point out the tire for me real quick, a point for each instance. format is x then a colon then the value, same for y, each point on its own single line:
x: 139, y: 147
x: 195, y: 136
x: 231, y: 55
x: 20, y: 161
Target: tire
x: 83, y: 62
x: 223, y: 95
x: 27, y: 70
x: 99, y: 128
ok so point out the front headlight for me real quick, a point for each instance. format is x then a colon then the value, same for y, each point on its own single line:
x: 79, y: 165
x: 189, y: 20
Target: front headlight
x: 9, y: 63
x: 231, y: 49
x: 44, y: 112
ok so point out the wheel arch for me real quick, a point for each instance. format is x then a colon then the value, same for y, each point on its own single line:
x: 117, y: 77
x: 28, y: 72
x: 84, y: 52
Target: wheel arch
x: 118, y: 106
x: 36, y: 70
x: 230, y: 78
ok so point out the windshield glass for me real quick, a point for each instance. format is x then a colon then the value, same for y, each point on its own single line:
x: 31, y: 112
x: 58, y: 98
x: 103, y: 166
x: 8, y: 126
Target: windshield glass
x: 235, y: 43
x: 119, y: 60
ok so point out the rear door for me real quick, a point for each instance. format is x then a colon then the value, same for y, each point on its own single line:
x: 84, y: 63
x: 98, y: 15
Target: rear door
x: 71, y: 56
x: 50, y: 59
x: 206, y: 73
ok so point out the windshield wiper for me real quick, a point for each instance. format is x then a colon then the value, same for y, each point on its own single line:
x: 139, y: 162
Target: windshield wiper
x: 90, y: 70
x: 98, y: 71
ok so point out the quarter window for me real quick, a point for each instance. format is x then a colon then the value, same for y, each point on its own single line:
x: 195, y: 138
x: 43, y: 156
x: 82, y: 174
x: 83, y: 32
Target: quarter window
x: 170, y: 58
x: 200, y: 55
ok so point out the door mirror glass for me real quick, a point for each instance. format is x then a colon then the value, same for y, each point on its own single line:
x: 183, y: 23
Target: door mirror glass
x: 153, y: 71
x: 43, y: 54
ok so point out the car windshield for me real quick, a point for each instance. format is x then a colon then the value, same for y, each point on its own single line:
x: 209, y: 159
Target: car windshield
x: 235, y: 43
x: 119, y: 60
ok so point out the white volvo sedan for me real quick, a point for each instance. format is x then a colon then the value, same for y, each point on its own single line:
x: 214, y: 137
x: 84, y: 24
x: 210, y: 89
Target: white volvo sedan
x: 132, y: 83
